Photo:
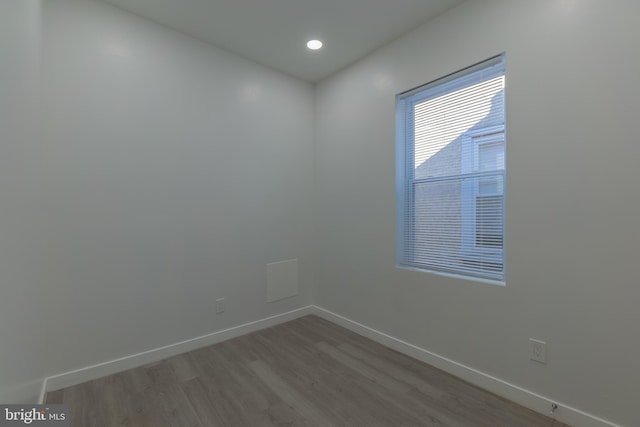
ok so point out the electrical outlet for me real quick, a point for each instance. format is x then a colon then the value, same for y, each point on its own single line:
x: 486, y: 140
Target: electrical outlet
x: 538, y: 350
x: 220, y: 306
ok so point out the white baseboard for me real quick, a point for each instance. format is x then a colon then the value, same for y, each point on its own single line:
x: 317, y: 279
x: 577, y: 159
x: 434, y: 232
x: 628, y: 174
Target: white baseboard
x: 526, y: 398
x: 68, y: 379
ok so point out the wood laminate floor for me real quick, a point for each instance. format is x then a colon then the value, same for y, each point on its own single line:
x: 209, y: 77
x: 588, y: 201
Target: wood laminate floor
x: 307, y: 372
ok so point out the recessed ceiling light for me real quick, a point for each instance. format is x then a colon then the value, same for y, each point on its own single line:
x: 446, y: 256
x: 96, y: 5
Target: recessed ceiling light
x: 314, y: 44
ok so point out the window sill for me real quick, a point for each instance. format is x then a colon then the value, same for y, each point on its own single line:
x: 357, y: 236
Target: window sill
x: 453, y: 275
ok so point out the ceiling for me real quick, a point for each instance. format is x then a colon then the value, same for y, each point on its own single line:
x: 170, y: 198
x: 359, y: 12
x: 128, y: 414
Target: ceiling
x: 275, y: 32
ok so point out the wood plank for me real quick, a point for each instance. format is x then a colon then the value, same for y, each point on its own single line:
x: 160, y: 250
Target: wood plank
x: 306, y: 408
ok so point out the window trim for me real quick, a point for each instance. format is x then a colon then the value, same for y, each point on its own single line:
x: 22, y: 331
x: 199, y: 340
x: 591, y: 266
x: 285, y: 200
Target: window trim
x: 405, y: 175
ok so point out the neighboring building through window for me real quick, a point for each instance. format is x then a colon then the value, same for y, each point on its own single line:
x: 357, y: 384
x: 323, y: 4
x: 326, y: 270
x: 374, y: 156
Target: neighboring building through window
x: 451, y: 173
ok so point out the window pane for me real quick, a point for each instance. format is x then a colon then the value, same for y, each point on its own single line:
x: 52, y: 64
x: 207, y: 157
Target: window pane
x: 448, y: 227
x: 491, y: 185
x: 441, y: 123
x: 489, y: 221
x: 491, y: 156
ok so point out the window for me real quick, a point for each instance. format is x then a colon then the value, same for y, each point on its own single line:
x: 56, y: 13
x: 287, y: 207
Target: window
x: 451, y: 173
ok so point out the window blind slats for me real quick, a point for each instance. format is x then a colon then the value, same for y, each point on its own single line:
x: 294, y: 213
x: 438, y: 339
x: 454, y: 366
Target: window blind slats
x: 451, y: 206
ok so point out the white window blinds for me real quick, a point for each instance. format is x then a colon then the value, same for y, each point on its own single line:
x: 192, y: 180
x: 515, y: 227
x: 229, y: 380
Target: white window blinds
x: 451, y: 173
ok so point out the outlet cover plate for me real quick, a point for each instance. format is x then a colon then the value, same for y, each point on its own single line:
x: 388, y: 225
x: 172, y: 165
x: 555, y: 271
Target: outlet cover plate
x: 538, y: 350
x: 220, y: 306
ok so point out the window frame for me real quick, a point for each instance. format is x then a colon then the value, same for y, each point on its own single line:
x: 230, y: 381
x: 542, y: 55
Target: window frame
x: 406, y: 182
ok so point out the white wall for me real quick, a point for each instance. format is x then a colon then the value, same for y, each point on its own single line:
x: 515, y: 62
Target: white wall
x: 175, y: 172
x: 572, y: 202
x: 21, y: 303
